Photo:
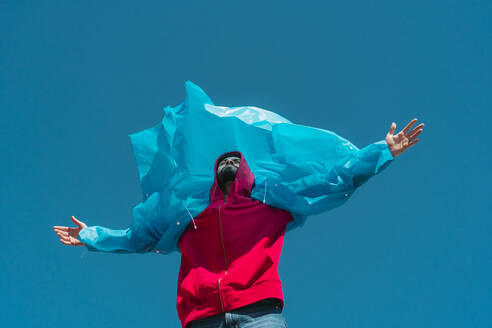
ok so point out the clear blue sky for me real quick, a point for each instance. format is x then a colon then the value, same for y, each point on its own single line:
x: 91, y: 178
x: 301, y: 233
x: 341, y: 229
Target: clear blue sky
x: 411, y: 248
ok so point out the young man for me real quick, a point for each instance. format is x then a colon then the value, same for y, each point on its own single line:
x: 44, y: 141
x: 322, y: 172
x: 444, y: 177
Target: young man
x: 230, y: 251
x: 230, y: 235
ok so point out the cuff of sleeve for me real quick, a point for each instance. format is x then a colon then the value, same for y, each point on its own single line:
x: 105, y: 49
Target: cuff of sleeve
x: 386, y: 151
x: 88, y: 236
x: 386, y: 156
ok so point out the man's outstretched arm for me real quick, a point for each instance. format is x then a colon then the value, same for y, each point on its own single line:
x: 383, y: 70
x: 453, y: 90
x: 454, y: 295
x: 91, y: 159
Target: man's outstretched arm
x: 139, y: 238
x: 312, y: 187
x: 371, y: 160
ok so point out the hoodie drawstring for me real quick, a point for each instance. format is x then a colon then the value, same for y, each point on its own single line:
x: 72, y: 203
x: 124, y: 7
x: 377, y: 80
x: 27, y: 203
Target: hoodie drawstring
x: 194, y: 224
x: 264, y: 194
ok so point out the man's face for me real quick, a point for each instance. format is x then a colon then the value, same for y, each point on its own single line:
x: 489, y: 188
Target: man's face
x: 231, y: 163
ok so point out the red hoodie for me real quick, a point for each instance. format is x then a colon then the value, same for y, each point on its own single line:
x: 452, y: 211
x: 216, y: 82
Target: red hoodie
x: 229, y: 258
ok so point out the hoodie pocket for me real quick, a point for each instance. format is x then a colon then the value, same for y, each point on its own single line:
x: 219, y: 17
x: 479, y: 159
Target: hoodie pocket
x: 199, y: 284
x: 249, y: 270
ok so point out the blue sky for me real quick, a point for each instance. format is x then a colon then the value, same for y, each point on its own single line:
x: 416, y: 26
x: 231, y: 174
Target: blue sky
x: 411, y: 248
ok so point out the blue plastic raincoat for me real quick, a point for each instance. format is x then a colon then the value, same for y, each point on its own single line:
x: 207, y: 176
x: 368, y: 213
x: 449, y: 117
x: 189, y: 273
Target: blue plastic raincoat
x: 301, y: 169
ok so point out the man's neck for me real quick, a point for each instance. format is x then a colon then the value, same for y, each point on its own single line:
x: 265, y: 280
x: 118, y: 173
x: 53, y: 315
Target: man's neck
x: 226, y: 188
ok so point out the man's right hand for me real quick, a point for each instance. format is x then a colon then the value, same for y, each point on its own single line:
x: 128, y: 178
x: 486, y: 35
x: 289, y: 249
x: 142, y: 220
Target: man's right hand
x: 69, y: 235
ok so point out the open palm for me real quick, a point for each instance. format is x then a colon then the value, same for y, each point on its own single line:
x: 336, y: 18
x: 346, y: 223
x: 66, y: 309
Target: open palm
x: 404, y: 139
x: 69, y: 235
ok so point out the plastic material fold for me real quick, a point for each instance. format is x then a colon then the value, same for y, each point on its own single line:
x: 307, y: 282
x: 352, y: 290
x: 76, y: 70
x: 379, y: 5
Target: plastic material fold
x: 301, y: 169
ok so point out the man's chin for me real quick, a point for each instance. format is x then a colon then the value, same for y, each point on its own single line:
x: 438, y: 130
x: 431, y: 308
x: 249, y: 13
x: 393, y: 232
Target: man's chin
x: 227, y: 174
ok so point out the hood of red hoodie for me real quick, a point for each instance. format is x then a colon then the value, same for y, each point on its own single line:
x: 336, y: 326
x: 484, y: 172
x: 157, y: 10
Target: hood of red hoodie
x: 243, y: 182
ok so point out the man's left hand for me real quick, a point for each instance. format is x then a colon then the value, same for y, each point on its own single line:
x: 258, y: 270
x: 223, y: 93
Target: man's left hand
x: 404, y: 139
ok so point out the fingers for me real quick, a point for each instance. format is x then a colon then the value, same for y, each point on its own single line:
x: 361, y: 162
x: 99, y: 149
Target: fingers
x: 80, y: 224
x: 420, y: 126
x: 409, y: 125
x: 414, y: 134
x: 66, y: 231
x: 392, y: 128
x: 65, y: 242
x: 412, y: 143
x: 66, y: 239
x: 71, y: 242
x: 62, y: 234
x: 67, y: 235
x: 60, y: 231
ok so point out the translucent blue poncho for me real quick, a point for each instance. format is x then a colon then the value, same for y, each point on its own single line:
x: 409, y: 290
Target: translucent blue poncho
x: 301, y: 169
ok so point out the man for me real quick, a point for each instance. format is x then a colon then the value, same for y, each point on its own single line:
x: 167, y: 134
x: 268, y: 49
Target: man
x: 230, y: 252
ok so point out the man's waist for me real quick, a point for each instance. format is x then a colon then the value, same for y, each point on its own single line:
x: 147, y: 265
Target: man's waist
x: 265, y: 303
x: 266, y: 294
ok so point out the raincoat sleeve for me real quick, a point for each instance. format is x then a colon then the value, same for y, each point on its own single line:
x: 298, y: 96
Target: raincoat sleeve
x: 356, y: 168
x: 140, y: 237
x: 309, y: 188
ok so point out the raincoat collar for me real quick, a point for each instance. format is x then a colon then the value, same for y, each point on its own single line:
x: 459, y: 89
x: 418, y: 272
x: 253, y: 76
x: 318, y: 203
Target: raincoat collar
x: 243, y: 182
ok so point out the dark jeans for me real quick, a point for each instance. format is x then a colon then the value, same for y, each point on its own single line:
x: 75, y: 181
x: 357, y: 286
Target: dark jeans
x: 263, y: 314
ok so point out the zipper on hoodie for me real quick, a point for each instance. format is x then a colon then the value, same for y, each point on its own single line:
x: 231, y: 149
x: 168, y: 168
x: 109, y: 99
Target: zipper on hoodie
x: 225, y: 258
